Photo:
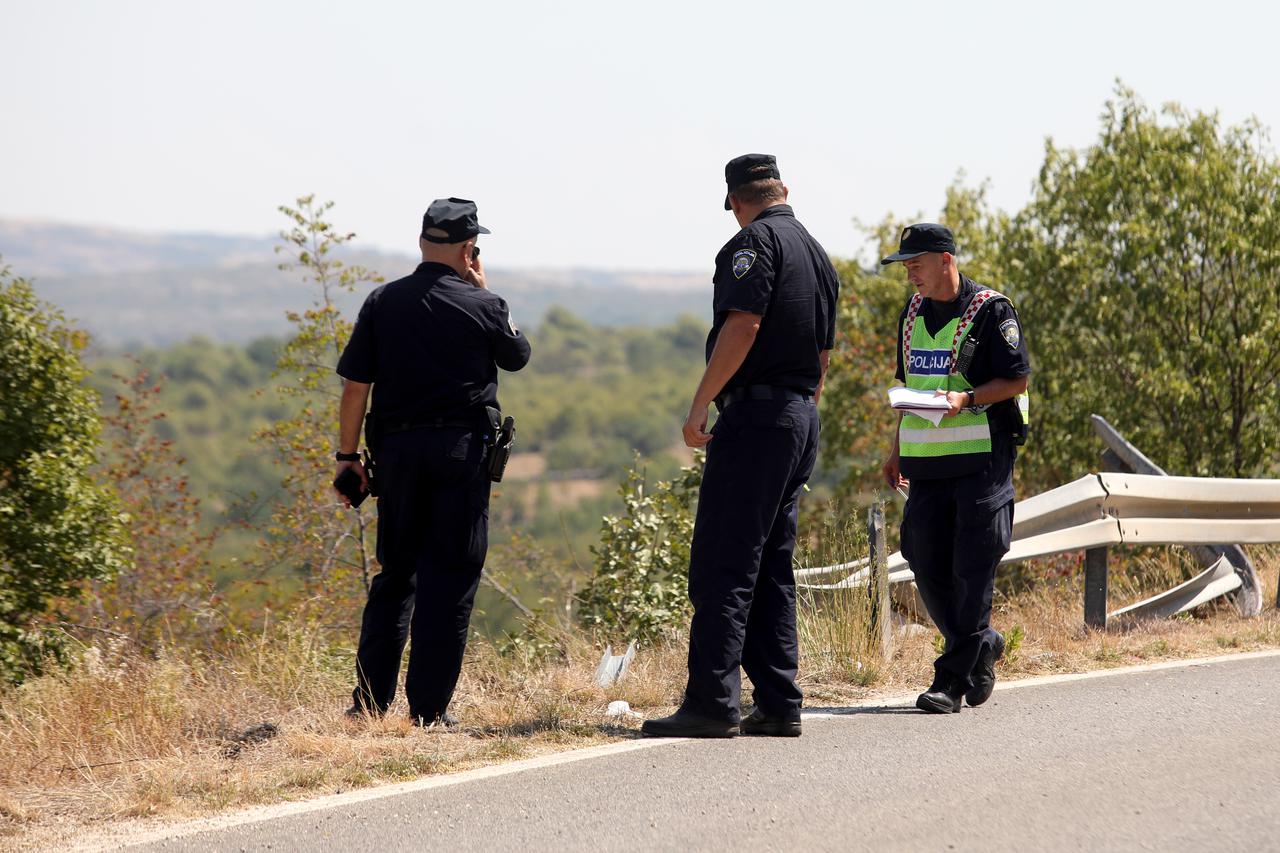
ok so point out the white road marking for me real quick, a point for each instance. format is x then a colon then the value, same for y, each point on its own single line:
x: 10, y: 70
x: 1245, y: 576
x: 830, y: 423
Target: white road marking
x: 122, y: 837
x: 1043, y: 680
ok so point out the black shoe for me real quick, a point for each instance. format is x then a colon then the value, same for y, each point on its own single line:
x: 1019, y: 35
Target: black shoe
x: 942, y: 697
x: 688, y: 724
x: 446, y: 720
x: 760, y: 723
x: 984, y: 674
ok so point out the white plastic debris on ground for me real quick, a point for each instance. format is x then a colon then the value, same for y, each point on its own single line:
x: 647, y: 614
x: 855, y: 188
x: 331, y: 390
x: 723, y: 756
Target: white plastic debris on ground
x: 613, y: 667
x: 621, y: 709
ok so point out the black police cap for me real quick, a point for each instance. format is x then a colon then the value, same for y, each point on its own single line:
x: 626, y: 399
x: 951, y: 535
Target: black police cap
x: 921, y: 238
x: 748, y: 168
x: 451, y: 220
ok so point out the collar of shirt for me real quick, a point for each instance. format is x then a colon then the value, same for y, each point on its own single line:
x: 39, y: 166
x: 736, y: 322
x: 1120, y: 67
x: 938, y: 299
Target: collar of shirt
x: 967, y: 289
x: 775, y: 210
x: 435, y: 269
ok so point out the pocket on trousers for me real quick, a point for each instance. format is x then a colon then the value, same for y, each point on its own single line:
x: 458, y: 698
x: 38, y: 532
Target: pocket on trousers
x: 985, y: 528
x: 461, y: 448
x: 766, y: 414
x: 477, y: 541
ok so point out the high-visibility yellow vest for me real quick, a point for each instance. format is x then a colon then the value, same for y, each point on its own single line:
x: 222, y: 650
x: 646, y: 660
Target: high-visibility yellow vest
x: 929, y: 363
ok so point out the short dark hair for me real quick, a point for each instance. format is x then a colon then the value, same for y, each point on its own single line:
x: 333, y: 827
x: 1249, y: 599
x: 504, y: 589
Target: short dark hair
x: 757, y: 192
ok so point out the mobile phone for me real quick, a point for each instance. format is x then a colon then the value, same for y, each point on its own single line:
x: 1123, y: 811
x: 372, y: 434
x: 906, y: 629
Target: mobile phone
x: 475, y: 252
x: 348, y: 485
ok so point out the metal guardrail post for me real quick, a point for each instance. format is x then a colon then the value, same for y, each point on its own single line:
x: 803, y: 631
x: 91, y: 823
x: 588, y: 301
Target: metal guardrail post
x: 1095, y: 588
x: 881, y: 610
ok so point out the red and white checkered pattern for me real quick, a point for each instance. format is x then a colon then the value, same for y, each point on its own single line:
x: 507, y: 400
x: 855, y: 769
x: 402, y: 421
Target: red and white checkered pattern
x: 966, y: 320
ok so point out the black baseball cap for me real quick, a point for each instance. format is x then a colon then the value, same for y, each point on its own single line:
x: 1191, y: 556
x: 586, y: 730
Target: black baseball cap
x: 748, y: 168
x: 921, y: 238
x: 451, y: 220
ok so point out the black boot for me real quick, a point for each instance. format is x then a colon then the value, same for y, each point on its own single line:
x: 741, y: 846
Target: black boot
x: 984, y: 674
x: 942, y: 697
x: 444, y: 720
x: 688, y: 724
x: 760, y: 723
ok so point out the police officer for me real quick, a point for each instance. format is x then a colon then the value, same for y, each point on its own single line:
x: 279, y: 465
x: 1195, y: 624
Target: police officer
x: 774, y: 325
x: 430, y: 346
x: 957, y: 338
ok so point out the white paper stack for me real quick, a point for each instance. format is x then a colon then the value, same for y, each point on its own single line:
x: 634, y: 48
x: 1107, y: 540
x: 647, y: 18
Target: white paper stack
x: 926, y: 404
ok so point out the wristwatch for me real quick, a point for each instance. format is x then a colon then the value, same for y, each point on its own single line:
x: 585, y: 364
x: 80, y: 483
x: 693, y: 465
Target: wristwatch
x: 346, y: 457
x: 973, y: 399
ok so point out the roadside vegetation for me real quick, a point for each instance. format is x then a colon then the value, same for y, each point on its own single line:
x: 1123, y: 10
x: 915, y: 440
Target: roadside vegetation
x: 180, y: 590
x: 122, y: 733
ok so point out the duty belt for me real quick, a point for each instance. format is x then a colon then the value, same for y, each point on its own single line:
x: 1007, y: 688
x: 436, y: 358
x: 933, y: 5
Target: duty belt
x: 760, y: 392
x: 404, y: 425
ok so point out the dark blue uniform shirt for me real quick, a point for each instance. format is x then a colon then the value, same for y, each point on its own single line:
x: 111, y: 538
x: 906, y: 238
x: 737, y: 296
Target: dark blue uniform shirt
x: 775, y: 268
x: 431, y: 344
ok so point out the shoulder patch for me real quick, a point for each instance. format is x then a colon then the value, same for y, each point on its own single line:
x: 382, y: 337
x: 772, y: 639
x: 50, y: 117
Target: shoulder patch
x: 1011, y: 333
x: 742, y: 261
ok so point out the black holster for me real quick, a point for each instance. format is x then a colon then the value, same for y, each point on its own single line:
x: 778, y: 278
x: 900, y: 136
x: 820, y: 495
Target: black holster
x: 502, y: 435
x: 370, y: 451
x: 1019, y: 428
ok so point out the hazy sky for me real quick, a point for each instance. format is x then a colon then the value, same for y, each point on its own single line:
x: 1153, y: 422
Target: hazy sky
x: 590, y: 134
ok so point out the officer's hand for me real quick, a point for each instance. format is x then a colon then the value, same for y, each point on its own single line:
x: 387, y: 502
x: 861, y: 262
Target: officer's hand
x: 893, y: 473
x: 695, y: 428
x: 955, y: 399
x: 359, y: 469
x: 475, y: 273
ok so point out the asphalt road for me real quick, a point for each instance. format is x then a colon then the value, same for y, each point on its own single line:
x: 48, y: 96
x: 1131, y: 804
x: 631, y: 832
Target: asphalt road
x: 1175, y: 759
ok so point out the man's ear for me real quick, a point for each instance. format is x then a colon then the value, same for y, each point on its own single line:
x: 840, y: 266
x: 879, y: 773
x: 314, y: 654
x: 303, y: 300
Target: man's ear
x: 785, y: 192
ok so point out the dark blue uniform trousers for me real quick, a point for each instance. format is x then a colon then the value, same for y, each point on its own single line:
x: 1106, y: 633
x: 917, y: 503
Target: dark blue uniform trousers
x: 954, y: 532
x: 433, y: 528
x: 740, y: 577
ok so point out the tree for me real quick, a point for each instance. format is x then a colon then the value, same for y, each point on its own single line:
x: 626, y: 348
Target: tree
x: 310, y: 532
x: 166, y: 592
x: 1148, y: 271
x: 58, y: 527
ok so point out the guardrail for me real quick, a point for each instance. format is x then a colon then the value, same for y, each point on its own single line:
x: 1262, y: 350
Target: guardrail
x: 1123, y: 456
x: 1100, y: 511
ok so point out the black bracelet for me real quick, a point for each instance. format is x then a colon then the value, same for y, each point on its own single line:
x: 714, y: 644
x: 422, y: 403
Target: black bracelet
x: 347, y: 457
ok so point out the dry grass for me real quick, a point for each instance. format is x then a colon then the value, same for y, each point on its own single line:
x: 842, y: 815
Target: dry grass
x: 123, y: 735
x: 120, y: 735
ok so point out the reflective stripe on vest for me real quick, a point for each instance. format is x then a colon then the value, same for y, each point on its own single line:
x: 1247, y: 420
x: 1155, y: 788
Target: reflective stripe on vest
x: 941, y: 436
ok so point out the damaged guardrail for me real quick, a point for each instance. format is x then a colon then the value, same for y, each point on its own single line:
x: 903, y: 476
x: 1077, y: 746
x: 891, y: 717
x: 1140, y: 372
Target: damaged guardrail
x: 1100, y: 511
x: 1122, y: 456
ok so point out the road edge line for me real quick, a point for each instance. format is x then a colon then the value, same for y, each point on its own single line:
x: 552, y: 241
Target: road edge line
x: 1057, y: 678
x: 257, y: 814
x: 120, y: 838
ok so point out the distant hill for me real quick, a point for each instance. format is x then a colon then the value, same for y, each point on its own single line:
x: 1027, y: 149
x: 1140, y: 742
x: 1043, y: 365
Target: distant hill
x: 129, y: 288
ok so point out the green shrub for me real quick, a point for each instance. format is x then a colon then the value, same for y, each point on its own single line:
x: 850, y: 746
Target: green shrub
x: 58, y: 528
x: 640, y: 584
